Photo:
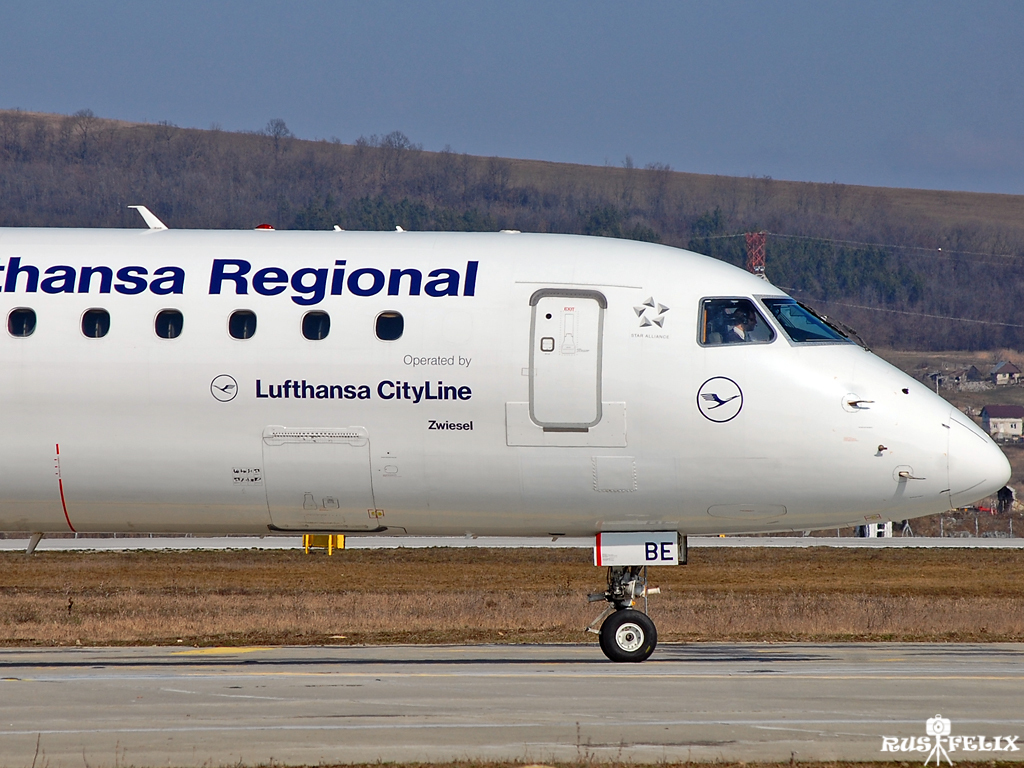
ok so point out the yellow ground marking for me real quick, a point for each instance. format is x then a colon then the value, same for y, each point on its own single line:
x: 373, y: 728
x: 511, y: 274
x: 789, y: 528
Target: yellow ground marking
x: 221, y: 651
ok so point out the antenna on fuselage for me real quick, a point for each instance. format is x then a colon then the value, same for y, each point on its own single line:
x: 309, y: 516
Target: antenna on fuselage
x: 149, y: 217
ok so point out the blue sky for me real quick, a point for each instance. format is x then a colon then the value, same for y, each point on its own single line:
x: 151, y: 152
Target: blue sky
x: 907, y: 94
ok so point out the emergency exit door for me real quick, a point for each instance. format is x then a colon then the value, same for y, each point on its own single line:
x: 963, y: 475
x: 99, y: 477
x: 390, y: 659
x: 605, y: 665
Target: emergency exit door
x: 318, y: 479
x: 565, y: 358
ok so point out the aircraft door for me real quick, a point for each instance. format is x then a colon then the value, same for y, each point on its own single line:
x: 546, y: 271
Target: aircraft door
x: 318, y: 479
x: 565, y: 358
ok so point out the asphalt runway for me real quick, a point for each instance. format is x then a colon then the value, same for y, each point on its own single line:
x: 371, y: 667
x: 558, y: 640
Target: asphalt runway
x: 289, y: 705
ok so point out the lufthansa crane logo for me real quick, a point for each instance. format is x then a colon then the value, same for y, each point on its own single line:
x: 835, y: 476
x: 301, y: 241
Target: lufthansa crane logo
x: 720, y: 399
x: 651, y: 312
x: 224, y: 388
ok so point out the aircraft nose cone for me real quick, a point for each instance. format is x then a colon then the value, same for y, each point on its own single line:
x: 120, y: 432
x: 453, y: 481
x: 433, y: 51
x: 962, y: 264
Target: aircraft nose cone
x: 977, y: 466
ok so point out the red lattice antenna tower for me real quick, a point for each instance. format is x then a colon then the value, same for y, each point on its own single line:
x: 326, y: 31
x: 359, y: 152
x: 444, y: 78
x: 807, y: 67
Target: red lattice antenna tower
x: 755, y: 253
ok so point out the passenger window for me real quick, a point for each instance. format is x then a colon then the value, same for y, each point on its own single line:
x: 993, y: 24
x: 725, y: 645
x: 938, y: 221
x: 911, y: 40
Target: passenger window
x: 801, y: 324
x: 242, y: 324
x: 732, y: 321
x: 390, y: 326
x: 95, y: 323
x: 21, y: 322
x: 316, y: 325
x: 169, y: 323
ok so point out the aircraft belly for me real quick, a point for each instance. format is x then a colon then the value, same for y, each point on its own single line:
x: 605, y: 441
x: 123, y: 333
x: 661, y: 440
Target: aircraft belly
x: 31, y: 489
x: 219, y: 480
x: 165, y: 485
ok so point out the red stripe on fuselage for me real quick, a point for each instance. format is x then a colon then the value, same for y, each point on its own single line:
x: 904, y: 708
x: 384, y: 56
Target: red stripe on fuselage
x: 60, y: 484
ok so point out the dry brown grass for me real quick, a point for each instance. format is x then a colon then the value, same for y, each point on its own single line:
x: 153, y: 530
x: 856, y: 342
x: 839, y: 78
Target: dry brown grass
x: 441, y: 595
x: 717, y: 763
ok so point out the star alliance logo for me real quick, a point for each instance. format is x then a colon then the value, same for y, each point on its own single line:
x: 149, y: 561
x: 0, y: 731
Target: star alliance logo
x: 939, y: 742
x: 651, y: 313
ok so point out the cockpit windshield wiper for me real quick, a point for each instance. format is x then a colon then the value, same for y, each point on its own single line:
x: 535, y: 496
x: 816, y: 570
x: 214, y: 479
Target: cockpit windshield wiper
x: 838, y: 326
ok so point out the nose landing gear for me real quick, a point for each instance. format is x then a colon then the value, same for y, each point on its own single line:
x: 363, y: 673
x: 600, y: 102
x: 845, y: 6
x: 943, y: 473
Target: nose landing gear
x: 626, y: 634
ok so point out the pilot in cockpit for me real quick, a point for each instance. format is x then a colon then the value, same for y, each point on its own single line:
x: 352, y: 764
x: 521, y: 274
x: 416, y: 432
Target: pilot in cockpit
x: 739, y: 325
x: 733, y: 321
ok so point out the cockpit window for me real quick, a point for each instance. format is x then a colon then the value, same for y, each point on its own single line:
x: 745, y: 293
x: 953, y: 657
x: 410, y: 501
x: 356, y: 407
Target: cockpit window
x: 802, y: 325
x: 732, y: 321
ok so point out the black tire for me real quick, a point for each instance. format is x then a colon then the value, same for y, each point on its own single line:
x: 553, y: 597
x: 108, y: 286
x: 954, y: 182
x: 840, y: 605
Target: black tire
x: 628, y: 635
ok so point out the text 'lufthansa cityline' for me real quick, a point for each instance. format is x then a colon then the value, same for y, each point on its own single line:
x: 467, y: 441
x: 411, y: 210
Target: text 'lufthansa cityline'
x: 385, y: 390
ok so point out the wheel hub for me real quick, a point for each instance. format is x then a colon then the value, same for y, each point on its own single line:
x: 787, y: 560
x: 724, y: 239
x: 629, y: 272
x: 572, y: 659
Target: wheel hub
x: 629, y: 637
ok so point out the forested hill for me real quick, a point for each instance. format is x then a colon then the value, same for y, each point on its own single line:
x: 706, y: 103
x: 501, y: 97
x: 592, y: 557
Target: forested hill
x: 896, y: 264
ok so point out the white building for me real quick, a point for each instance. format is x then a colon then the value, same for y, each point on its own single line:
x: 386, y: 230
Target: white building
x: 1003, y: 421
x: 1004, y: 373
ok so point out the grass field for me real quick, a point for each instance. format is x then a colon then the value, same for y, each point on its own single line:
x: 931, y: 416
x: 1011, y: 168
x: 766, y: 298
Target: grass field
x: 503, y: 596
x: 588, y: 763
x: 718, y: 764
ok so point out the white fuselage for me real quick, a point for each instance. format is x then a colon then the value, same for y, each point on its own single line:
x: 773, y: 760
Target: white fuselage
x: 486, y: 416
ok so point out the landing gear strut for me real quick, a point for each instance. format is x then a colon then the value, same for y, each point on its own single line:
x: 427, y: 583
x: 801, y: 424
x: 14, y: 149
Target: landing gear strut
x: 626, y: 634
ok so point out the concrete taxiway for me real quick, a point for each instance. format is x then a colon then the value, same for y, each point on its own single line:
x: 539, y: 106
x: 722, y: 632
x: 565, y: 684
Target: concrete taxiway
x: 221, y: 706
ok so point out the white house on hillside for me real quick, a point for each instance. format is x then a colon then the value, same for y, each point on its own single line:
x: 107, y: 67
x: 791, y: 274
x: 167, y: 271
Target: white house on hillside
x: 1004, y: 372
x: 1003, y: 421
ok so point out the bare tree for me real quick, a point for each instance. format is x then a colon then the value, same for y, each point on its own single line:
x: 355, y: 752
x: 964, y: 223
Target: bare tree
x: 498, y: 178
x: 83, y: 122
x: 277, y: 130
x: 662, y: 172
x: 393, y: 148
x: 11, y: 134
